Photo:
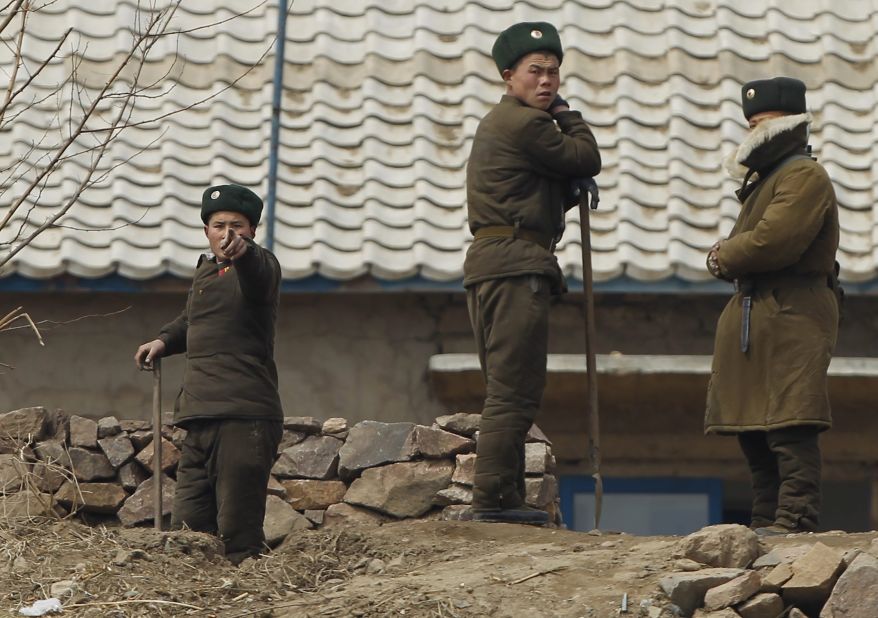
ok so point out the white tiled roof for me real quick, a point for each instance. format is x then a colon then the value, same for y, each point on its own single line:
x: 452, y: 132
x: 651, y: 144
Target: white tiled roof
x: 382, y: 98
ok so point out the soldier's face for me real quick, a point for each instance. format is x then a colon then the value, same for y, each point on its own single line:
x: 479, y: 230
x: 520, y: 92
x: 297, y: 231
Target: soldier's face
x: 220, y: 223
x: 534, y: 80
x: 755, y: 119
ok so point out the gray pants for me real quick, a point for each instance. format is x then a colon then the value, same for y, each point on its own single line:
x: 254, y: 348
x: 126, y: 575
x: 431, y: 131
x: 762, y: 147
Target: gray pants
x: 785, y: 472
x: 222, y: 481
x: 510, y: 320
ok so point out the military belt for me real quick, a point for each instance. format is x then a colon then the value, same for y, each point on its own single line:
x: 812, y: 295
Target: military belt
x: 747, y: 286
x: 509, y: 231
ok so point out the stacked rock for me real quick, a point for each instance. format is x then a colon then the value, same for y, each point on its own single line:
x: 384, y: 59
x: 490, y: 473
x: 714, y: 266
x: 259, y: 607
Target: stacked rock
x: 326, y: 474
x: 724, y: 572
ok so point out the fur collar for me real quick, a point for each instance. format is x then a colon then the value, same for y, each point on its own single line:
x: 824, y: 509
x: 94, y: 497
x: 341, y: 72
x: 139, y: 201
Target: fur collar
x: 764, y: 132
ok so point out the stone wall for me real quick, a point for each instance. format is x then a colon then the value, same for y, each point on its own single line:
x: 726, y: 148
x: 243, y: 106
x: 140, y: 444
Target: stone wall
x: 327, y: 474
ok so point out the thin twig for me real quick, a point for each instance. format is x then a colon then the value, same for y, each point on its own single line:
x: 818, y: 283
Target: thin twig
x: 536, y: 574
x: 77, y: 319
x: 18, y: 59
x: 7, y: 320
x: 80, y: 126
x: 131, y: 601
x: 11, y: 15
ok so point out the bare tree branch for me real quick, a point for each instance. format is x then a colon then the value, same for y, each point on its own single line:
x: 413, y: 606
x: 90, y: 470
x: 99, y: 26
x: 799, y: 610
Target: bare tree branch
x: 55, y: 324
x: 11, y: 15
x: 80, y: 126
x: 95, y: 118
x: 33, y: 75
x: 18, y: 60
x: 14, y: 315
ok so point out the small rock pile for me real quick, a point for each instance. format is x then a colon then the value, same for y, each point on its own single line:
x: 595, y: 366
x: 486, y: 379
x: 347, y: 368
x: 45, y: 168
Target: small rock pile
x: 723, y: 572
x: 327, y: 474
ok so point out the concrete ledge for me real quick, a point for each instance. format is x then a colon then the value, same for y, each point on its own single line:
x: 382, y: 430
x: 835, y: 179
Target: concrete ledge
x: 652, y: 406
x: 642, y: 364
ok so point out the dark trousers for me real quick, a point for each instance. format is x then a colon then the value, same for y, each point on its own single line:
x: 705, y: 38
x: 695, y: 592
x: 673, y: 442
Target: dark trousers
x: 510, y: 320
x: 785, y: 472
x: 222, y: 481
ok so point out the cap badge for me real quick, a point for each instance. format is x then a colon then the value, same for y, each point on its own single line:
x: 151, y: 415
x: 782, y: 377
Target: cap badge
x: 536, y: 34
x: 751, y: 93
x: 214, y: 195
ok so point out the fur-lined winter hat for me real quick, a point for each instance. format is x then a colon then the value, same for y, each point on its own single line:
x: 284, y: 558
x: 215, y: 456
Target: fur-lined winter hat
x: 779, y: 94
x: 234, y: 198
x: 523, y: 38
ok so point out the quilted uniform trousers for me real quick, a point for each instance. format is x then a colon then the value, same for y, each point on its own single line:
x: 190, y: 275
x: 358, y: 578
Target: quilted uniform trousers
x: 785, y: 472
x: 222, y: 481
x: 510, y: 320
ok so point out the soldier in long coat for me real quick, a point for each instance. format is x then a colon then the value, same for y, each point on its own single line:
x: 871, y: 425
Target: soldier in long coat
x: 525, y: 154
x: 775, y: 337
x: 229, y: 403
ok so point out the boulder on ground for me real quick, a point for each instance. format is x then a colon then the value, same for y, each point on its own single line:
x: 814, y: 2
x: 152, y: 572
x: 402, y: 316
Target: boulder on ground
x: 343, y: 515
x: 435, y: 443
x: 306, y: 494
x: 105, y: 498
x: 856, y: 593
x: 814, y: 576
x: 280, y: 520
x: 138, y: 508
x: 370, y: 443
x: 781, y: 554
x: 465, y: 469
x: 131, y: 475
x: 728, y: 612
x: 777, y: 577
x: 305, y: 424
x: 170, y: 456
x: 687, y: 590
x: 26, y: 424
x: 540, y: 491
x: 461, y: 423
x: 25, y: 504
x: 90, y: 466
x: 13, y: 474
x: 733, y: 592
x: 314, y: 458
x: 83, y: 432
x: 454, y: 494
x: 763, y: 605
x: 336, y: 426
x: 721, y: 546
x: 404, y: 489
x: 118, y: 449
x: 108, y: 426
x: 538, y: 459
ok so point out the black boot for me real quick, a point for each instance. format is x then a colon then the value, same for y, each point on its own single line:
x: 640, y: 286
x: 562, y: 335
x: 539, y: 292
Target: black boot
x: 519, y: 515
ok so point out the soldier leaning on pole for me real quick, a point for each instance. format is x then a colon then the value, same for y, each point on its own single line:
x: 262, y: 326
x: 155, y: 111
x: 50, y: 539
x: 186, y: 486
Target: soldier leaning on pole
x: 229, y: 402
x: 775, y: 337
x: 525, y: 154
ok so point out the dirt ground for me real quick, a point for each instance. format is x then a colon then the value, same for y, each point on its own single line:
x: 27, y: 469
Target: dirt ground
x: 413, y: 569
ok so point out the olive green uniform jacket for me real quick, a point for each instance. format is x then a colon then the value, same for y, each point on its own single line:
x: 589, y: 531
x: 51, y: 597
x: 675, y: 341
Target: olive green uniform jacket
x: 784, y: 244
x: 227, y: 333
x: 520, y: 172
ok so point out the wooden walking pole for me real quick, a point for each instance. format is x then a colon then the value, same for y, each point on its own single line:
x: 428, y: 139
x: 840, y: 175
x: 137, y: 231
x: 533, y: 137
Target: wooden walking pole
x: 588, y: 187
x: 157, y: 441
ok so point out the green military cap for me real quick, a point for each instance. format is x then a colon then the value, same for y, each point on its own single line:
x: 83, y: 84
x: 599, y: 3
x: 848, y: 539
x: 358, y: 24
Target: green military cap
x: 522, y: 39
x: 779, y: 94
x: 234, y: 198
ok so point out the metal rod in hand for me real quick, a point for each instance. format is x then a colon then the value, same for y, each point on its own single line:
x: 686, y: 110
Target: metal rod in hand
x: 593, y: 420
x: 157, y: 441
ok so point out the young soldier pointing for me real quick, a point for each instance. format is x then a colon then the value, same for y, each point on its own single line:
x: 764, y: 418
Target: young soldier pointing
x: 229, y: 402
x: 526, y: 154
